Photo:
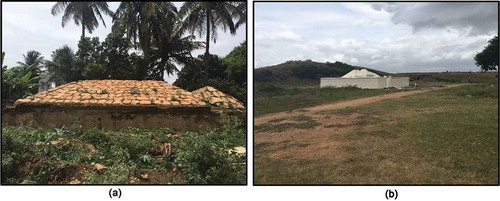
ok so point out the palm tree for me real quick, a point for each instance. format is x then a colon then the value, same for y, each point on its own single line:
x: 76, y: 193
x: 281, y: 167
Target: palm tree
x: 34, y: 61
x: 63, y: 68
x: 207, y: 17
x: 82, y: 12
x: 157, y: 27
x: 142, y: 20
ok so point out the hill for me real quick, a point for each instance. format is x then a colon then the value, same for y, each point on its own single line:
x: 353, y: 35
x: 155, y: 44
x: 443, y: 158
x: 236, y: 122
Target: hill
x: 303, y: 71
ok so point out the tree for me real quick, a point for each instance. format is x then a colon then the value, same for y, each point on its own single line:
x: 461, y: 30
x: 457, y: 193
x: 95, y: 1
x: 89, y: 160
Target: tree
x: 236, y: 62
x: 207, y: 17
x: 157, y: 27
x: 17, y: 82
x: 488, y: 59
x: 63, y: 66
x: 34, y: 61
x: 82, y: 13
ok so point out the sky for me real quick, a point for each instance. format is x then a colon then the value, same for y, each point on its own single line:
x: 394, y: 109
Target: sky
x: 392, y: 37
x: 31, y: 26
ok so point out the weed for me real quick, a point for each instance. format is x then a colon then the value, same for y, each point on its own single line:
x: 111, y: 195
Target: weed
x: 155, y: 89
x: 104, y: 91
x: 134, y: 90
x: 173, y: 98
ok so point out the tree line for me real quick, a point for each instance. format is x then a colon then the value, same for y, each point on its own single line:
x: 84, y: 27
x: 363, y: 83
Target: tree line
x: 147, y: 40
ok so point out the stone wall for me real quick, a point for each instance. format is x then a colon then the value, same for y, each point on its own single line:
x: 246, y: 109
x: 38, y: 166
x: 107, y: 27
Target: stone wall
x: 112, y: 118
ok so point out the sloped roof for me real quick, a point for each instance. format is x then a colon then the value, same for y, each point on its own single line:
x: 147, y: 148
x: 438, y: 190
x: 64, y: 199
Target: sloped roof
x: 218, y: 98
x: 116, y: 93
x: 363, y: 73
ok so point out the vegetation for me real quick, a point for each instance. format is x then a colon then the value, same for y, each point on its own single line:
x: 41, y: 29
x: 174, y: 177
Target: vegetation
x: 270, y: 98
x: 303, y: 70
x: 488, y: 58
x: 92, y: 156
x: 448, y: 136
x: 227, y: 74
x: 19, y: 82
x: 82, y: 13
x: 207, y: 17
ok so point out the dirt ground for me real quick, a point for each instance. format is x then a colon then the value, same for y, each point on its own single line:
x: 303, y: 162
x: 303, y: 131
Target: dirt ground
x: 315, y: 142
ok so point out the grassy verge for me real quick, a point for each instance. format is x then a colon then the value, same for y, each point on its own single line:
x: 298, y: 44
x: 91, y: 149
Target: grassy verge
x: 275, y: 99
x: 133, y: 155
x: 441, y: 137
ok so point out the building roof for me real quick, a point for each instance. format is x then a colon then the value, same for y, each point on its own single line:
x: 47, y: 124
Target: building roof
x: 363, y: 73
x: 219, y: 99
x: 116, y: 93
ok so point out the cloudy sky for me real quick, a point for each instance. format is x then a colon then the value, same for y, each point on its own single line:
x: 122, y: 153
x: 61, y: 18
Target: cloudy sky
x: 30, y: 26
x: 392, y: 37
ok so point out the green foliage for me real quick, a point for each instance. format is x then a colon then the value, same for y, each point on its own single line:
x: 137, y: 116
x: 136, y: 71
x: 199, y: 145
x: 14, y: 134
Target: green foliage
x: 236, y: 62
x: 43, y: 156
x: 104, y: 91
x: 208, y: 158
x: 118, y: 174
x: 64, y: 66
x: 204, y: 161
x: 191, y: 76
x: 94, y: 71
x: 17, y: 82
x: 488, y: 58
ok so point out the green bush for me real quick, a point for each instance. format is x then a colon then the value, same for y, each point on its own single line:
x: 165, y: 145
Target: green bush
x: 206, y: 161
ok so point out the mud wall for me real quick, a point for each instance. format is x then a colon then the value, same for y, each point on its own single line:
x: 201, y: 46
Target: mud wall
x: 112, y: 118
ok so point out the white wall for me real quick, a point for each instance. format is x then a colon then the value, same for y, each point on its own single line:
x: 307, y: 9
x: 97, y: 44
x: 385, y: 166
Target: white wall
x: 366, y: 83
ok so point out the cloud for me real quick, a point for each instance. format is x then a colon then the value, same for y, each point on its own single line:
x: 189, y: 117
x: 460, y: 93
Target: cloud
x: 364, y: 35
x: 475, y: 18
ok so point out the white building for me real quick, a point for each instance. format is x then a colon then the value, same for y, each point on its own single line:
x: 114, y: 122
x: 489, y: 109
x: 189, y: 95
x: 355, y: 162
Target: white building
x: 365, y: 79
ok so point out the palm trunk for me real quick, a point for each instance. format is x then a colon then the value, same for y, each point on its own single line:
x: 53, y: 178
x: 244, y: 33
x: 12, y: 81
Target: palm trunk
x: 207, y: 45
x: 83, y: 31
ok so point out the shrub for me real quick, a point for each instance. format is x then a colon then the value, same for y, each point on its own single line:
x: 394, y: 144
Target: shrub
x: 204, y: 161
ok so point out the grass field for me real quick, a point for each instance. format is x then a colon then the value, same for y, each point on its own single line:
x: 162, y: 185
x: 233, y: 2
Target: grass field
x: 448, y: 136
x: 129, y: 156
x: 295, y: 93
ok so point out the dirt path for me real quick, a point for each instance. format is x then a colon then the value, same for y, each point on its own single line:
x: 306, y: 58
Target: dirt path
x: 350, y: 103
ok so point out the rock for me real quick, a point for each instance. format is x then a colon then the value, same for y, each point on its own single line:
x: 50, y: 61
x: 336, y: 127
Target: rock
x: 240, y: 150
x: 75, y: 181
x: 145, y: 176
x: 98, y: 166
x: 54, y: 142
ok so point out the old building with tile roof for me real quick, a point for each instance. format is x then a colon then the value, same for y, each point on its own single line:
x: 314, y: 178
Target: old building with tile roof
x: 115, y: 93
x: 118, y: 104
x: 219, y: 99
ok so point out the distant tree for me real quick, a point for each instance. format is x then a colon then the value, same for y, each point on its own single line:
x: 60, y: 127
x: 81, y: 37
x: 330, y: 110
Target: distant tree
x: 82, y: 13
x: 207, y: 17
x: 236, y: 62
x: 63, y: 66
x: 488, y: 59
x: 17, y: 82
x: 156, y: 26
x: 34, y: 61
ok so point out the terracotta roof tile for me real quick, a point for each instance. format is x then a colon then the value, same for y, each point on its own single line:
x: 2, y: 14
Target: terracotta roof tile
x: 218, y: 99
x: 116, y: 93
